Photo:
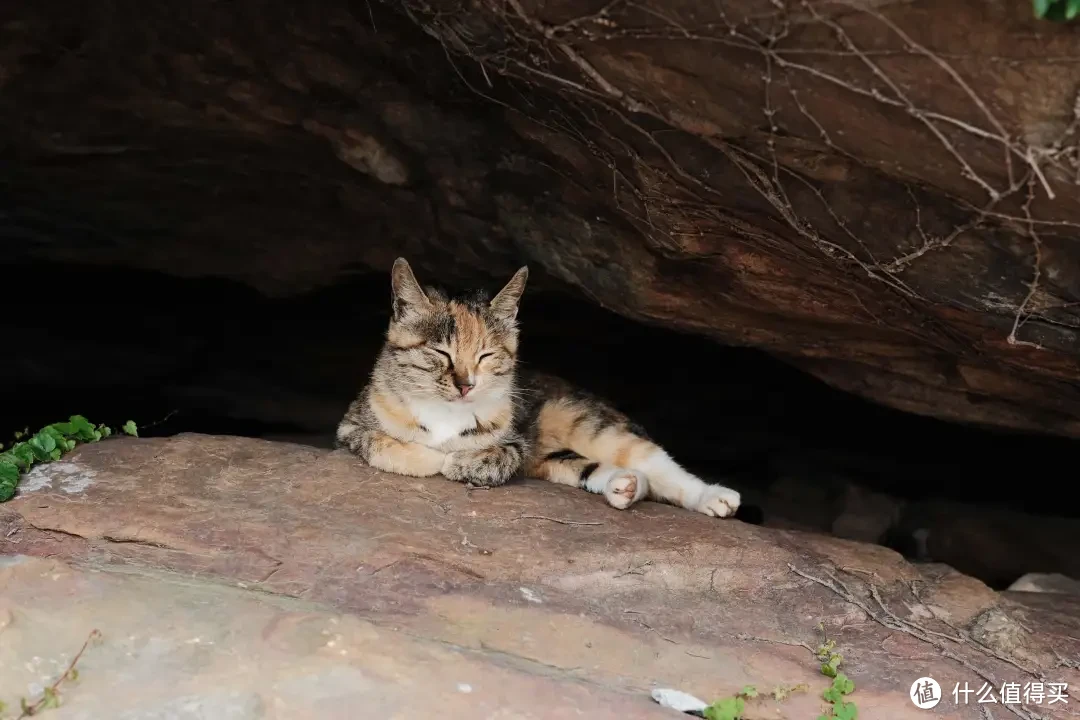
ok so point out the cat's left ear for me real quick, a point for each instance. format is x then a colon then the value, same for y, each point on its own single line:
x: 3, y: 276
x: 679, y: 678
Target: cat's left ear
x: 505, y: 304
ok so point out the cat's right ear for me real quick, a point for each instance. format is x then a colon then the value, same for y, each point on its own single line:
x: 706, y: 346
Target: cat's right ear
x: 505, y: 304
x: 406, y: 294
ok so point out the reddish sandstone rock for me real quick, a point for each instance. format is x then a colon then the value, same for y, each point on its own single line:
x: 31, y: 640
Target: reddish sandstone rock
x: 538, y: 590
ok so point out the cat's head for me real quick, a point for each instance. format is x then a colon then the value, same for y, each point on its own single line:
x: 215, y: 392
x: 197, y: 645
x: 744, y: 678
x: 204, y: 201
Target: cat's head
x: 458, y: 349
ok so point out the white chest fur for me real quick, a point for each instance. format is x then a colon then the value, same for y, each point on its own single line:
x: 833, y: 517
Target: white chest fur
x: 447, y: 420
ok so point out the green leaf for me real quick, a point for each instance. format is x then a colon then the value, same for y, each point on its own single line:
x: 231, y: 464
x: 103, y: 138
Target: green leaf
x: 40, y: 453
x: 50, y: 699
x: 52, y: 432
x: 830, y: 666
x: 1072, y: 9
x: 82, y: 429
x: 749, y: 692
x: 46, y: 441
x: 1040, y: 7
x: 23, y: 455
x: 844, y: 684
x: 104, y: 431
x: 729, y: 708
x: 130, y: 429
x: 9, y: 480
x: 832, y: 695
x: 64, y: 428
x: 845, y: 711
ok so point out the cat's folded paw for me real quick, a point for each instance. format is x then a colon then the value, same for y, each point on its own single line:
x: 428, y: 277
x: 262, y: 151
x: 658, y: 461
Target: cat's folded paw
x: 718, y: 501
x: 485, y: 468
x: 625, y: 488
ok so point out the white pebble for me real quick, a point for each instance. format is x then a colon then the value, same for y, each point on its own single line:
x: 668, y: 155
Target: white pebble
x: 677, y: 700
x: 530, y: 595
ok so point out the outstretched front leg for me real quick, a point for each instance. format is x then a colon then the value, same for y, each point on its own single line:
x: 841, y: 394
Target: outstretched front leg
x: 489, y: 467
x: 619, y: 486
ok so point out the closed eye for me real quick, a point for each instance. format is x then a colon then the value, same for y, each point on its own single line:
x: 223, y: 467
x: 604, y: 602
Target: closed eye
x: 449, y: 360
x: 484, y: 355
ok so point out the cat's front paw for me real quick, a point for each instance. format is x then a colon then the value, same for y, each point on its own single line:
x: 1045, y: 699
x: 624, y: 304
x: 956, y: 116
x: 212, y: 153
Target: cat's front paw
x: 486, y: 468
x: 461, y: 467
x: 718, y: 501
x: 625, y: 488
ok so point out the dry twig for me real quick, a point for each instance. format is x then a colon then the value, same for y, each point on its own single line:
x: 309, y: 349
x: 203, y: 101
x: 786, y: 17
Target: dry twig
x: 51, y: 694
x: 555, y: 520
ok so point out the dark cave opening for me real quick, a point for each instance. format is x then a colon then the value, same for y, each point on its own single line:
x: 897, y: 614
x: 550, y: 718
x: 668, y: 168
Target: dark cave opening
x: 213, y: 356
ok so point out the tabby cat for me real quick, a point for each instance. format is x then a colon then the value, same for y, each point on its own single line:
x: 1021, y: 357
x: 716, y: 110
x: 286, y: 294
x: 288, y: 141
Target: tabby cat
x: 445, y: 397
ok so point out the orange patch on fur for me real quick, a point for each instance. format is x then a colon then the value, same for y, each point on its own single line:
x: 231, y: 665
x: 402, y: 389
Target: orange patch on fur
x: 555, y: 425
x: 401, y: 338
x: 470, y: 330
x: 496, y: 422
x: 394, y: 412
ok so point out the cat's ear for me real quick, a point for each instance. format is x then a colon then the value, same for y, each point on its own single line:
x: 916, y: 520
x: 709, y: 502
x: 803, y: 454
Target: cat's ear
x: 505, y: 304
x: 406, y: 294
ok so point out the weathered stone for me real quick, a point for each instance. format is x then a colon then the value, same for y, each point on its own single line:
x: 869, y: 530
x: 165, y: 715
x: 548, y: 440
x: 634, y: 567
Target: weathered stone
x: 873, y: 191
x: 1046, y: 583
x: 995, y: 629
x: 541, y: 598
x: 176, y: 649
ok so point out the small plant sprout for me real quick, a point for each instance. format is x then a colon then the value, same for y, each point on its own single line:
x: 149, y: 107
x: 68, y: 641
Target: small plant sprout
x: 47, y: 445
x: 842, y: 685
x: 50, y: 696
x: 730, y: 708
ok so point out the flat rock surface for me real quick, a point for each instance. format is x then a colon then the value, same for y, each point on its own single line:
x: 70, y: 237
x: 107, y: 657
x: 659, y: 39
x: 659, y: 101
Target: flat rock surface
x: 173, y: 648
x: 278, y: 580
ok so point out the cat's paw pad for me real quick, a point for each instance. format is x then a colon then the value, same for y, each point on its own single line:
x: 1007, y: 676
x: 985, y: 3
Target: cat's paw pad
x: 718, y: 501
x: 625, y: 488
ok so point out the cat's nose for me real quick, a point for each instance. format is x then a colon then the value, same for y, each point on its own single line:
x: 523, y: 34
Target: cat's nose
x: 464, y: 387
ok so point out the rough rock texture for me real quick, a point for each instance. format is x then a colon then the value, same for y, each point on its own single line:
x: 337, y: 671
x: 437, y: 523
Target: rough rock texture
x: 174, y: 649
x: 881, y: 192
x: 541, y: 598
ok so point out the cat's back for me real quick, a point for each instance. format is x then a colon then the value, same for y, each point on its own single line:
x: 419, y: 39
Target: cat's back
x: 538, y: 390
x: 541, y: 386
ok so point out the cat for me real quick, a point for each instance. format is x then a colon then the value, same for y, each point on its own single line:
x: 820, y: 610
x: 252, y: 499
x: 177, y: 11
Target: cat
x: 446, y: 397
